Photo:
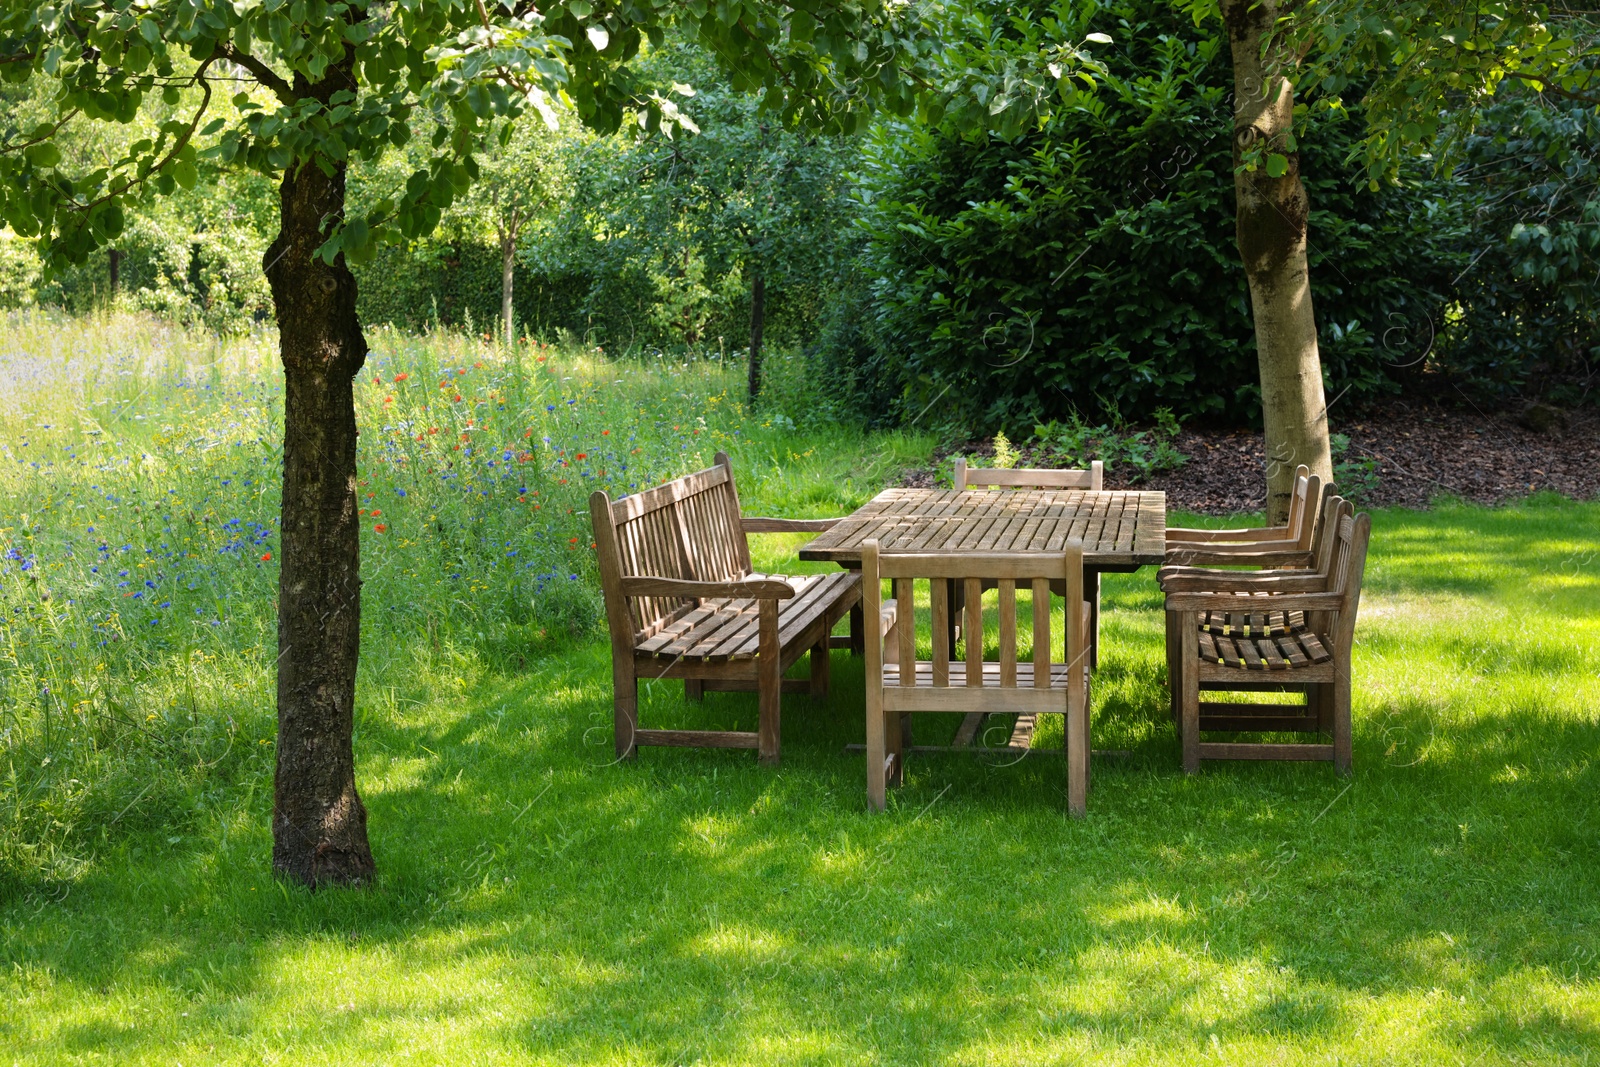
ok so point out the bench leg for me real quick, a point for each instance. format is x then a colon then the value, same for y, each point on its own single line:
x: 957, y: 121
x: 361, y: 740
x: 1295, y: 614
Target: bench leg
x: 769, y: 659
x: 858, y: 631
x: 625, y: 709
x: 694, y: 689
x: 820, y: 667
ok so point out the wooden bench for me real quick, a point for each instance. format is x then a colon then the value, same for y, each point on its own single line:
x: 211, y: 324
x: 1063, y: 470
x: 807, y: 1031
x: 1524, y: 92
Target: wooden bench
x: 682, y: 602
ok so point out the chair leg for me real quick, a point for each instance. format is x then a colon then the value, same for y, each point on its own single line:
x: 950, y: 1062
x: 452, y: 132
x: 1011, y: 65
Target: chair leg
x: 694, y: 689
x: 820, y: 666
x: 1173, y: 669
x: 897, y: 731
x: 1187, y: 681
x: 877, y: 749
x: 1077, y: 730
x: 625, y: 709
x: 1339, y: 697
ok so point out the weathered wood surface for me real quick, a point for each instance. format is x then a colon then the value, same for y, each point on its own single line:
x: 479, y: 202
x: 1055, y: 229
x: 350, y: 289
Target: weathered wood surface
x: 682, y: 602
x: 1261, y: 640
x: 1115, y: 528
x: 899, y: 684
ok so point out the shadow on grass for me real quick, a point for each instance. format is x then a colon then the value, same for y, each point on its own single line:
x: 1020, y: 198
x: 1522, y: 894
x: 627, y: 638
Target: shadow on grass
x: 544, y: 902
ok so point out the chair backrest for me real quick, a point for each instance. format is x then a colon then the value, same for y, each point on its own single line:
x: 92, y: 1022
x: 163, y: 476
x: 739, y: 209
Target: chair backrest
x: 1029, y: 477
x: 1323, y: 543
x: 1009, y: 571
x: 1350, y: 538
x: 686, y: 528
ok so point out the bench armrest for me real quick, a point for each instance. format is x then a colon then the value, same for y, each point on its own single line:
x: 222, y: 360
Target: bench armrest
x: 761, y: 525
x: 1254, y: 533
x: 1223, y: 602
x: 758, y: 588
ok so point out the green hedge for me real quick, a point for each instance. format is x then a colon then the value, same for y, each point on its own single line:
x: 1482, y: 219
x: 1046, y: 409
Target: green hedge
x: 1091, y: 267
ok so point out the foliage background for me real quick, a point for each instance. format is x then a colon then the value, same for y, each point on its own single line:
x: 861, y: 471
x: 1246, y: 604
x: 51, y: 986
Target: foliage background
x: 1085, y: 268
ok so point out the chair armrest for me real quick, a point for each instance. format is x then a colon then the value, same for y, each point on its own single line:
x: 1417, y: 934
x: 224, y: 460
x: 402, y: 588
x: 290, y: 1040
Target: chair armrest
x: 760, y: 525
x: 759, y: 588
x: 1254, y: 533
x: 1199, y: 580
x: 1289, y: 555
x: 1224, y: 602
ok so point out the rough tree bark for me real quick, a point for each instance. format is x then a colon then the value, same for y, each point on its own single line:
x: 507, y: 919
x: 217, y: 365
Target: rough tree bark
x: 1271, y: 228
x: 758, y: 316
x: 319, y: 825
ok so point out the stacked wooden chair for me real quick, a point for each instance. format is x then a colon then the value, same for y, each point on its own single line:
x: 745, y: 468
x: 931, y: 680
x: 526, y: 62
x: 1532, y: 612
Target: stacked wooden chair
x: 682, y: 602
x: 1287, y: 631
x: 899, y: 684
x: 1025, y: 478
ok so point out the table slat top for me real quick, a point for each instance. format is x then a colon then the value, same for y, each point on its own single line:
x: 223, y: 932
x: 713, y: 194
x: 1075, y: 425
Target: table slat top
x: 1115, y: 527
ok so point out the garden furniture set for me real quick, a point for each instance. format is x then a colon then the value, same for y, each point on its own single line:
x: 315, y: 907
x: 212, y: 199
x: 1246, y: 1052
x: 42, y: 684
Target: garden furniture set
x: 683, y: 602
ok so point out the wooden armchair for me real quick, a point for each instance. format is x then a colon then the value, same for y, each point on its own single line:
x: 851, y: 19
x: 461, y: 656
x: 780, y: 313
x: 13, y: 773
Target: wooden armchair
x: 682, y: 602
x: 1297, y: 631
x: 1038, y: 478
x: 899, y: 684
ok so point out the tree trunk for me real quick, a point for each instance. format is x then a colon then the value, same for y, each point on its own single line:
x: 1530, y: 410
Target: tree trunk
x: 508, y: 263
x: 1271, y: 226
x: 758, y: 315
x: 319, y: 826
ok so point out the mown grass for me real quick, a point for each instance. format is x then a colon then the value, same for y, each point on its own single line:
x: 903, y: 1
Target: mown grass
x: 539, y: 903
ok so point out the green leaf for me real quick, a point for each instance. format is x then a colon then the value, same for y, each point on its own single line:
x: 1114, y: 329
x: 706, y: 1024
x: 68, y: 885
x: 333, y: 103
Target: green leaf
x: 1277, y: 165
x: 185, y: 173
x: 598, y: 37
x: 581, y: 9
x: 44, y: 155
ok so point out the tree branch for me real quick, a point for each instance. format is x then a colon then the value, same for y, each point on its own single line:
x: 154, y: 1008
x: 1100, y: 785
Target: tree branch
x: 269, y: 78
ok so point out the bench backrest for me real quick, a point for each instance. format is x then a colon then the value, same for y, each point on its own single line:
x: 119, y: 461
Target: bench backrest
x: 1350, y: 537
x: 1029, y: 477
x: 1031, y: 571
x: 687, y: 528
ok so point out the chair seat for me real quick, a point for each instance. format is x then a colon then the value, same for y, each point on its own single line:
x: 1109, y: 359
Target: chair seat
x: 719, y: 629
x: 1283, y: 653
x: 1252, y: 624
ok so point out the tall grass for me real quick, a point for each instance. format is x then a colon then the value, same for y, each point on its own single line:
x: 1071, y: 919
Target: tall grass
x: 139, y: 511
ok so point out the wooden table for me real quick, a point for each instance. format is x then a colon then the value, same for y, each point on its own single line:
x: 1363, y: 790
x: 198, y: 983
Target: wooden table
x: 1119, y: 530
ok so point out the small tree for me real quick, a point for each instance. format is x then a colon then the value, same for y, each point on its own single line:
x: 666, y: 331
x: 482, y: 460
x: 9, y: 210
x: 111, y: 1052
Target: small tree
x: 314, y: 84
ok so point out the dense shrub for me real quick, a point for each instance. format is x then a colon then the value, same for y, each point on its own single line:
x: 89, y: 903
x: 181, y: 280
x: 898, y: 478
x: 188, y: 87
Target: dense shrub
x: 1091, y: 266
x: 1526, y: 316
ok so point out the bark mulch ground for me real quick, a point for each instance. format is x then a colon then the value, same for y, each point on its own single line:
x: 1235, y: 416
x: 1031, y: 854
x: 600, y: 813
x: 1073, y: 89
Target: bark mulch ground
x: 1410, y: 452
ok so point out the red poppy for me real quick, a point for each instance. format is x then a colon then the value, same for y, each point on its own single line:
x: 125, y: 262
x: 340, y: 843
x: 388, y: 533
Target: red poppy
x: 435, y: 429
x: 380, y: 527
x: 583, y: 455
x: 401, y: 377
x: 266, y: 557
x: 605, y: 433
x: 376, y: 512
x: 458, y: 396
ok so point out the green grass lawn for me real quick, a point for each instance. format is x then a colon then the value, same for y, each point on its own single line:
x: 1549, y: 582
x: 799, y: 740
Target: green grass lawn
x: 539, y: 903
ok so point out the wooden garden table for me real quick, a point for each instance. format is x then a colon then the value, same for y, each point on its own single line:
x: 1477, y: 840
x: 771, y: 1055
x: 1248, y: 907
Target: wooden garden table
x: 1120, y: 530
